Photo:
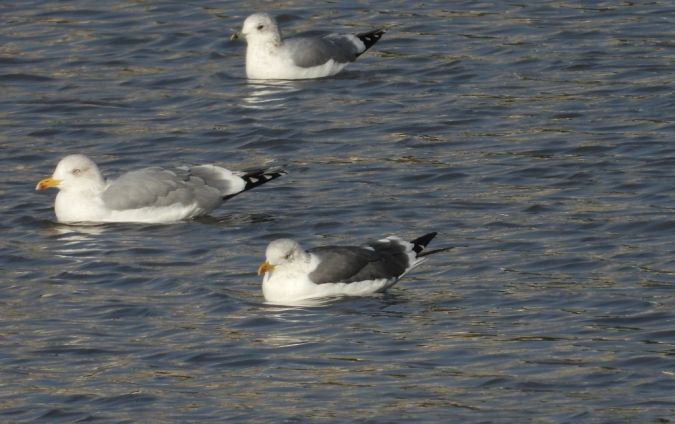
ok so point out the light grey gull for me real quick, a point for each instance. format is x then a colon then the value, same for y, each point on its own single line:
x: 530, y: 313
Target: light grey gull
x: 269, y: 56
x: 145, y: 195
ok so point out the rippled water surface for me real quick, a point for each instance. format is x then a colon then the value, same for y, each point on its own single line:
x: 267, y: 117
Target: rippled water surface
x: 537, y: 138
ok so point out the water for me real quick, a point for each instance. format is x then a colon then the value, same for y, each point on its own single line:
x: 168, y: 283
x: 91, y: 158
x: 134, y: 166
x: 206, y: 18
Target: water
x: 537, y: 139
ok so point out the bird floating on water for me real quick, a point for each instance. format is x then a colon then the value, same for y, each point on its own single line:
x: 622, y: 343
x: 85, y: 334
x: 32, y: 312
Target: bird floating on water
x: 268, y: 56
x: 292, y: 274
x: 145, y: 195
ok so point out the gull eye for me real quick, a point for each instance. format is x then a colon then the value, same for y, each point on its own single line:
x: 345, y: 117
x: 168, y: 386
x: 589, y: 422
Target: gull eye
x: 261, y: 26
x: 76, y: 172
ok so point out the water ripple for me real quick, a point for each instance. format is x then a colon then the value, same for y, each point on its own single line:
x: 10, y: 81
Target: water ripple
x: 535, y: 138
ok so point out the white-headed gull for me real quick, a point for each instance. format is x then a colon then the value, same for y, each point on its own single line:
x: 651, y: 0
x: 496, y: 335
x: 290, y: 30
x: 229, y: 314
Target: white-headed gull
x: 293, y: 274
x: 146, y: 195
x: 268, y: 56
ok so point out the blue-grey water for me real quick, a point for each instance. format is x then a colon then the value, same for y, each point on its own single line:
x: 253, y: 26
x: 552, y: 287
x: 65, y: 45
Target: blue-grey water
x: 538, y: 138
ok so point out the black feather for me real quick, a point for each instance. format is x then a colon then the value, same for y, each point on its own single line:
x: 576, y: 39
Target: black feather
x: 370, y: 38
x: 421, y: 242
x: 256, y: 178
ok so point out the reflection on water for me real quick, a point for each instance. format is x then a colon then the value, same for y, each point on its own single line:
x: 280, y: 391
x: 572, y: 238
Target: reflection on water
x: 77, y: 232
x: 269, y: 94
x: 306, y: 303
x: 76, y: 241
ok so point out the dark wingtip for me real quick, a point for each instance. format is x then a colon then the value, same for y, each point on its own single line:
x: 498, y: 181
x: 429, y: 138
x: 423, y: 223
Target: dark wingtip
x: 421, y: 242
x: 257, y: 178
x: 254, y: 179
x: 370, y: 38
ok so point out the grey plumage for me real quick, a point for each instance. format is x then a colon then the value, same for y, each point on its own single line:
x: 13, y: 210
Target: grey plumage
x: 207, y: 185
x: 159, y: 187
x: 146, y: 195
x: 269, y: 56
x: 315, y: 51
x: 375, y: 260
x: 293, y: 274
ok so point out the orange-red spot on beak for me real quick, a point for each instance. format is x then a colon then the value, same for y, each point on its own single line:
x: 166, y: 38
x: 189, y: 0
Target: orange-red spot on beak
x: 265, y: 267
x: 47, y: 183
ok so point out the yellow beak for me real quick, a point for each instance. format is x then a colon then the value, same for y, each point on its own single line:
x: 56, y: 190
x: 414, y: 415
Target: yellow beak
x: 46, y: 183
x: 235, y: 36
x: 265, y: 267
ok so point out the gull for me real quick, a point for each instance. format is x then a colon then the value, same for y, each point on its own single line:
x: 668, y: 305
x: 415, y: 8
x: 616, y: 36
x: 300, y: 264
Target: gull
x: 292, y: 274
x: 268, y: 56
x: 151, y: 195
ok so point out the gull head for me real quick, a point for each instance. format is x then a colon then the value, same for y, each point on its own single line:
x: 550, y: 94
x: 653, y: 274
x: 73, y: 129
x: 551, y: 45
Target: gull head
x: 281, y: 252
x: 261, y: 27
x: 73, y: 171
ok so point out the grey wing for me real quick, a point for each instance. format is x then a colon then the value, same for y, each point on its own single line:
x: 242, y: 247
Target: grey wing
x: 348, y: 264
x: 226, y: 182
x: 307, y: 52
x: 394, y: 254
x: 157, y: 187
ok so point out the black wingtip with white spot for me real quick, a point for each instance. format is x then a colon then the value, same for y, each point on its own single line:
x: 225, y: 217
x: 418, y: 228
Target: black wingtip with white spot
x: 421, y: 242
x: 370, y: 38
x: 257, y: 178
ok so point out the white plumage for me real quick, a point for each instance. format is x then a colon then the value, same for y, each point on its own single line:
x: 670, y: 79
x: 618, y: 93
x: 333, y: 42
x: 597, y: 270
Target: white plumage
x: 146, y: 195
x: 292, y: 274
x: 268, y: 56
